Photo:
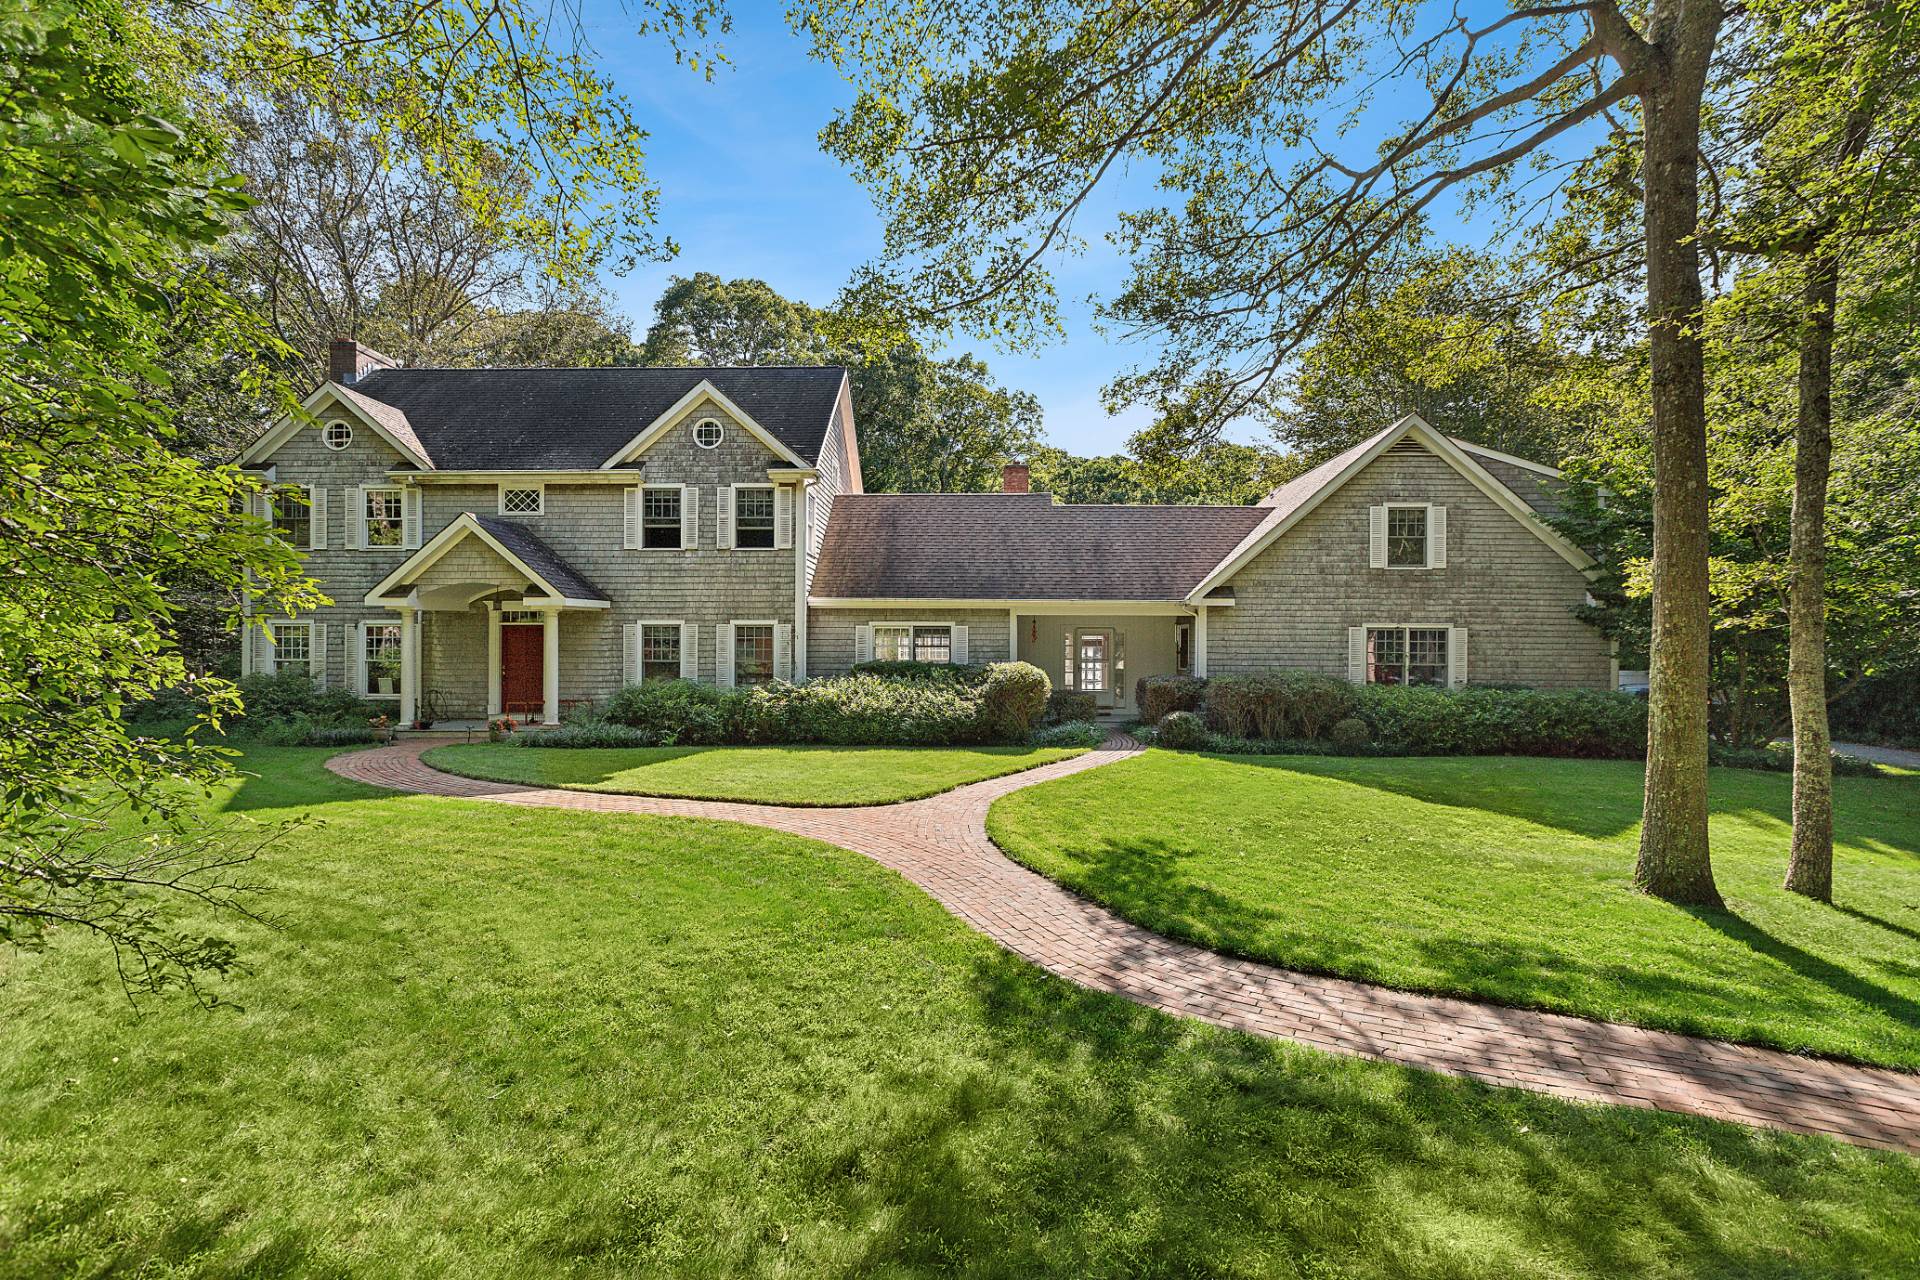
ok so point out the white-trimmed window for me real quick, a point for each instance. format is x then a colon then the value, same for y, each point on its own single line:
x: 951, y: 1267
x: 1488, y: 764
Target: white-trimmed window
x: 337, y: 435
x: 523, y: 500
x: 753, y: 508
x: 660, y: 517
x: 752, y: 653
x: 1407, y: 536
x: 292, y: 648
x: 707, y: 433
x: 380, y: 658
x: 1407, y: 655
x: 660, y: 651
x: 521, y: 618
x: 385, y: 517
x: 912, y: 642
x: 1183, y: 648
x: 292, y: 506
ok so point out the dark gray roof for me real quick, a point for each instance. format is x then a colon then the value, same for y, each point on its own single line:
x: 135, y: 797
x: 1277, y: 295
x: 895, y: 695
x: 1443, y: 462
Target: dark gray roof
x: 557, y: 419
x: 539, y: 557
x: 994, y: 546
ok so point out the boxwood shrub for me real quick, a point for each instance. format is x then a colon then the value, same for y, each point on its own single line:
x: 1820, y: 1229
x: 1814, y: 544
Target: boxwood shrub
x: 1155, y: 696
x: 1065, y: 706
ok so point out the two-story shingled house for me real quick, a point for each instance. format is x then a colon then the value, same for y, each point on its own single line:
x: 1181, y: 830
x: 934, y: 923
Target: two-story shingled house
x: 519, y: 541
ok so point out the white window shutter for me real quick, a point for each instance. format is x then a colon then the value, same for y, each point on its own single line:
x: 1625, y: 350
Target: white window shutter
x: 723, y: 517
x: 723, y: 655
x: 1066, y: 659
x: 1357, y: 652
x: 783, y: 652
x: 410, y: 518
x: 1456, y: 656
x: 959, y: 650
x: 317, y: 653
x: 863, y: 643
x: 689, y: 649
x: 246, y: 646
x: 1376, y: 537
x: 1436, y: 537
x: 317, y: 518
x: 630, y: 521
x: 356, y: 518
x: 357, y: 659
x: 631, y: 650
x: 689, y: 517
x: 782, y: 517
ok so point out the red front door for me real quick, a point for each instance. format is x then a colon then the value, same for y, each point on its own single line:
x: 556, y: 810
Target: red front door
x: 520, y: 653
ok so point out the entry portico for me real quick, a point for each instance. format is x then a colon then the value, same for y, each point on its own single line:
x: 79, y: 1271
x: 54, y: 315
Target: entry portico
x: 485, y: 563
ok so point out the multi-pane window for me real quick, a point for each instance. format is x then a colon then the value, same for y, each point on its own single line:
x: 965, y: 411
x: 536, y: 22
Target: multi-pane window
x: 707, y: 433
x: 1093, y: 662
x: 292, y: 648
x: 531, y: 501
x: 753, y: 654
x: 383, y: 515
x: 380, y: 652
x: 337, y: 434
x: 933, y: 644
x: 293, y: 515
x: 660, y: 518
x: 753, y: 516
x: 901, y: 642
x: 892, y: 644
x: 1407, y: 655
x: 1407, y: 537
x: 660, y: 651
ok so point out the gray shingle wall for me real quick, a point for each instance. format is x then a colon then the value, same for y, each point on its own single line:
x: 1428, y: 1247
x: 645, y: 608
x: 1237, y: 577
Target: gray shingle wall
x: 1513, y: 593
x: 830, y: 633
x: 584, y: 524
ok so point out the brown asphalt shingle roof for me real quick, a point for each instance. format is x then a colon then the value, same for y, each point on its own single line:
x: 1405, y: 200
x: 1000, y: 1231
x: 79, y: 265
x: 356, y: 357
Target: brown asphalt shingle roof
x: 995, y: 546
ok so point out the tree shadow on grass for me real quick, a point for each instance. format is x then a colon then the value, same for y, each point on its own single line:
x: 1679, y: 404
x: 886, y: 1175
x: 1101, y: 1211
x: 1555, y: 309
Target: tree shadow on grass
x: 1124, y: 1142
x: 1813, y: 968
x: 1867, y: 917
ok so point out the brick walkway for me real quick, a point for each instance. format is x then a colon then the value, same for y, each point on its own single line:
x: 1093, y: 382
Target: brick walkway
x: 941, y: 845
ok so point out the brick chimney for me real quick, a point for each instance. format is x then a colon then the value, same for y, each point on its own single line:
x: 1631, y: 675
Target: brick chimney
x: 1014, y: 478
x: 348, y: 361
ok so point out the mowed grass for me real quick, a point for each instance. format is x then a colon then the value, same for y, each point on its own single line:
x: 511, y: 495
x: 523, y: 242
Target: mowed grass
x: 829, y: 776
x: 1508, y: 879
x: 489, y: 1041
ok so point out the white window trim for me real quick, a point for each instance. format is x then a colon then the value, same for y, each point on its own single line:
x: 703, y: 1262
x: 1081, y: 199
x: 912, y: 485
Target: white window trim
x: 537, y: 486
x: 733, y: 641
x: 359, y: 672
x: 326, y: 434
x: 880, y: 625
x: 273, y: 647
x: 1387, y: 510
x: 365, y: 493
x: 640, y: 643
x: 718, y: 426
x: 313, y: 516
x: 733, y: 514
x: 1366, y: 672
x: 640, y: 520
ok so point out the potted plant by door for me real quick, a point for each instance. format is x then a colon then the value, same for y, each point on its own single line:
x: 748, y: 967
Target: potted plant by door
x: 499, y: 728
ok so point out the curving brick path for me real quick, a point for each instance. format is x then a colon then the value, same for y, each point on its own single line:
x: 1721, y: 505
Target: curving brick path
x: 941, y: 845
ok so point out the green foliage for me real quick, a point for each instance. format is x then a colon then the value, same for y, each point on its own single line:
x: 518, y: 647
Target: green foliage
x: 1068, y: 733
x: 1778, y: 758
x: 1157, y: 695
x: 1487, y: 721
x: 1067, y: 705
x: 586, y: 734
x: 1182, y: 731
x: 670, y: 712
x: 1349, y: 734
x: 1884, y: 709
x: 1220, y: 473
x: 1278, y: 704
x: 1013, y: 698
x: 968, y: 675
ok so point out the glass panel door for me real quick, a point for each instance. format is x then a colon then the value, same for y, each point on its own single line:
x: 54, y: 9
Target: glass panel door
x: 1091, y: 669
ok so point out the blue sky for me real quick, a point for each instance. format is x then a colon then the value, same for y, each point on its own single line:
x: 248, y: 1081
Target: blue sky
x: 746, y: 191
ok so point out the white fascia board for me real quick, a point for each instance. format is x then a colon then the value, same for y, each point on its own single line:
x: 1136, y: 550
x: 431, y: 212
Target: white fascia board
x: 444, y: 541
x: 1539, y: 468
x: 326, y: 395
x: 704, y: 390
x: 627, y: 476
x: 1145, y: 608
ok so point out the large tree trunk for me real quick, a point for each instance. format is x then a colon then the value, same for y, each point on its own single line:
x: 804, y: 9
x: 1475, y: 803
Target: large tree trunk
x: 1673, y: 862
x: 1810, y: 868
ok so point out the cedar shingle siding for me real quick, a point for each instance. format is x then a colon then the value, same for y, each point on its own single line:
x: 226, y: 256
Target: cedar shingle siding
x: 887, y: 557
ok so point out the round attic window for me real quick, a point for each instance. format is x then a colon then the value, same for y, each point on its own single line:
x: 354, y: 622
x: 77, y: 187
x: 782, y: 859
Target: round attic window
x: 706, y: 432
x: 337, y: 434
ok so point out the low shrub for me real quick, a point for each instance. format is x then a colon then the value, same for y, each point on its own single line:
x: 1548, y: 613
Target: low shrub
x: 1064, y: 706
x: 1182, y: 731
x: 343, y: 735
x: 1155, y: 696
x: 1779, y: 759
x: 939, y: 672
x: 1013, y: 698
x: 860, y: 710
x: 586, y: 733
x: 1349, y: 734
x: 277, y: 697
x: 1069, y: 733
x: 675, y: 712
x: 1487, y: 721
x: 1276, y: 704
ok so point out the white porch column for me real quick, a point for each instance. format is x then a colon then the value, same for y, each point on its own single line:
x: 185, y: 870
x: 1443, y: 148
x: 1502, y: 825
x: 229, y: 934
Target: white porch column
x: 493, y: 663
x: 409, y: 664
x: 550, y: 658
x: 1200, y: 641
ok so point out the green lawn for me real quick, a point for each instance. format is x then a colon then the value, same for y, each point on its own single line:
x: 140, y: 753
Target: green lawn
x: 490, y: 1041
x: 1504, y: 878
x: 770, y: 775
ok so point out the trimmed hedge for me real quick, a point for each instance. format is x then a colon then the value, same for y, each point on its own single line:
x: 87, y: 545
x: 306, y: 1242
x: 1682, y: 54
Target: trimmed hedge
x: 1779, y: 759
x: 882, y: 704
x: 1182, y: 731
x: 1155, y: 696
x: 1064, y: 706
x: 1278, y: 704
x: 1069, y: 733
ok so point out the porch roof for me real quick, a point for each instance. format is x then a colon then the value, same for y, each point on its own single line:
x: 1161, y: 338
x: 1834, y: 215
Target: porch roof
x: 544, y: 571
